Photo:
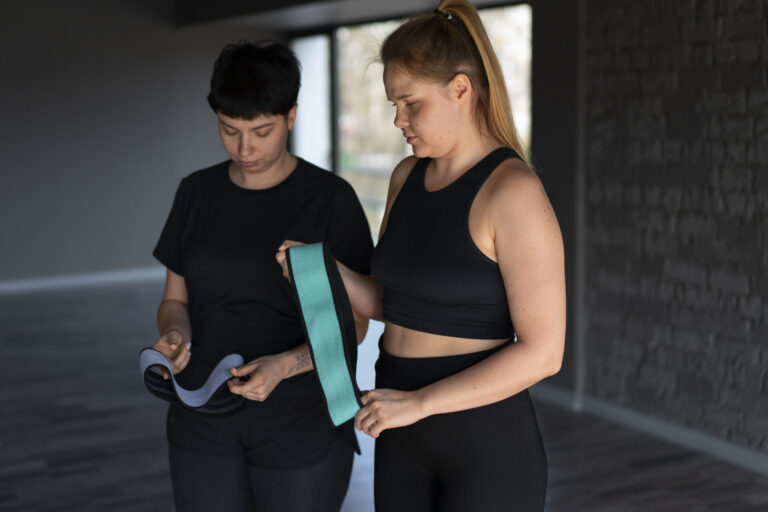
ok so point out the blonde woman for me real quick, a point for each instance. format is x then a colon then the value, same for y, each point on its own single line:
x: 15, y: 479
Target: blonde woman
x: 468, y: 276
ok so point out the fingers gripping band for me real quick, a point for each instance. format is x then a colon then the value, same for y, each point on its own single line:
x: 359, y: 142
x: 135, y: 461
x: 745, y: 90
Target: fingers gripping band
x: 213, y: 397
x: 326, y: 317
x: 329, y: 325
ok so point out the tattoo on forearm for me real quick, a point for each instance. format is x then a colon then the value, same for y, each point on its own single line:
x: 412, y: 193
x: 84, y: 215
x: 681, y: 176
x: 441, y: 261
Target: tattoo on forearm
x: 303, y: 360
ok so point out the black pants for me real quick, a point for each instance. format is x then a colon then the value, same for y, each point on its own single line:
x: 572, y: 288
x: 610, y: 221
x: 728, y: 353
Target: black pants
x: 258, y: 460
x: 489, y: 458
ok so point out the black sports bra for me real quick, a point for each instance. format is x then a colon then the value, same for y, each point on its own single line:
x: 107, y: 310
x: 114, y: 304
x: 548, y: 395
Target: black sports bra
x: 435, y: 278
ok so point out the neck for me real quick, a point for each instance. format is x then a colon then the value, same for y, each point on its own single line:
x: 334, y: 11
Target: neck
x: 468, y: 150
x: 266, y: 178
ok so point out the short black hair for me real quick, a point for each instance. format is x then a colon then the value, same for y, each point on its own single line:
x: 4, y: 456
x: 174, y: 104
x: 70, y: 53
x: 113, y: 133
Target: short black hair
x: 254, y: 79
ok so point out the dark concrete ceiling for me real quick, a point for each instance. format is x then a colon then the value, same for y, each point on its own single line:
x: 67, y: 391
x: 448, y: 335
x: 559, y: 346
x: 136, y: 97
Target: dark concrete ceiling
x: 298, y: 15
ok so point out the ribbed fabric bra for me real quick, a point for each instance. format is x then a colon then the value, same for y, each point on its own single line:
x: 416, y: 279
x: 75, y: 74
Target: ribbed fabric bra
x: 435, y: 278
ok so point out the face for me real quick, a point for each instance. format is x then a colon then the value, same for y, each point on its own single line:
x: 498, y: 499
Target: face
x: 427, y: 113
x: 256, y: 145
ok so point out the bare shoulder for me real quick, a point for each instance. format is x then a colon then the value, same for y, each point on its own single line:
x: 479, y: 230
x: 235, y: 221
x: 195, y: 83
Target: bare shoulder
x: 516, y: 194
x: 514, y: 179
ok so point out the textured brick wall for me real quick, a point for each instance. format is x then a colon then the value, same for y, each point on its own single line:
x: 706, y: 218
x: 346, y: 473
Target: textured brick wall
x: 677, y: 211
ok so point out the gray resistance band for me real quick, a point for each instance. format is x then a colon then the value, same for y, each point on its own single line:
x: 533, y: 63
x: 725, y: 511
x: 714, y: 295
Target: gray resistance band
x: 192, y: 398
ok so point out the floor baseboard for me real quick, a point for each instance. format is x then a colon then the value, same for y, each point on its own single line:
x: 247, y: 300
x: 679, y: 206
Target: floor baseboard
x: 687, y: 437
x: 37, y: 284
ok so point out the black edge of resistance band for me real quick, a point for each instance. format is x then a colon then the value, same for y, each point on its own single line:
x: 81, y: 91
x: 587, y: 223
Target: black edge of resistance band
x: 345, y: 317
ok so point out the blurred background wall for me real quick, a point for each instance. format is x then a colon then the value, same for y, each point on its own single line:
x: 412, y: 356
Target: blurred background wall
x: 102, y: 111
x: 676, y: 203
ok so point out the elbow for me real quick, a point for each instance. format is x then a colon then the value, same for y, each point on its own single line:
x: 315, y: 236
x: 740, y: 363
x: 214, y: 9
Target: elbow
x: 546, y: 359
x: 553, y: 367
x: 372, y: 308
x: 172, y: 303
x: 361, y: 326
x: 375, y: 304
x: 553, y: 363
x: 549, y: 364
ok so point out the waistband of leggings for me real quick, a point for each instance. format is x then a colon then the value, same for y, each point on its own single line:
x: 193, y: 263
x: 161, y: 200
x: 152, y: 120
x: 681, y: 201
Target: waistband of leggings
x: 408, y: 373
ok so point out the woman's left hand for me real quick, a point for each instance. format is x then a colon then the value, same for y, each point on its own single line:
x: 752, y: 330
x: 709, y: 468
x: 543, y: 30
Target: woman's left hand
x: 387, y: 408
x: 281, y: 258
x: 263, y: 374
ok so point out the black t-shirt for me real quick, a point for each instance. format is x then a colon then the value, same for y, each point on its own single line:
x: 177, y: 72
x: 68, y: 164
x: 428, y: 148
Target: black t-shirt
x: 223, y: 239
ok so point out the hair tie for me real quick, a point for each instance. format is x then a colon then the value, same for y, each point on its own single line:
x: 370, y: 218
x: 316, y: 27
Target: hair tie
x: 444, y: 14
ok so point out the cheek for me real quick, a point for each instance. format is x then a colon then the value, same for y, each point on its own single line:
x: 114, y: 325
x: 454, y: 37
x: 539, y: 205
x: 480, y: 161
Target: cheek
x: 228, y: 144
x: 273, y: 144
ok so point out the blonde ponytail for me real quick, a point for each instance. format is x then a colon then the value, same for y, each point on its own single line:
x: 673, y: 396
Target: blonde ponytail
x: 499, y: 114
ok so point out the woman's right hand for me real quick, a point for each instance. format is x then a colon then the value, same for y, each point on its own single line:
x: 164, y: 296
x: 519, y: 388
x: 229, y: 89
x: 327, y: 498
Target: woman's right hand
x: 173, y: 347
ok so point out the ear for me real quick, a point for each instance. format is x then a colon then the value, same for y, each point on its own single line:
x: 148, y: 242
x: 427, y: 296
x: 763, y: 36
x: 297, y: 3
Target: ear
x: 291, y: 116
x: 461, y: 87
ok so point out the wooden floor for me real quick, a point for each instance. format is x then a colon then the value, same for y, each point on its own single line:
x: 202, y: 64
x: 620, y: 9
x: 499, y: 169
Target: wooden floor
x: 78, y: 431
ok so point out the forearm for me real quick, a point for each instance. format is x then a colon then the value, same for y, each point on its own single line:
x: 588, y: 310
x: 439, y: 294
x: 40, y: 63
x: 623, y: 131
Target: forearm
x: 507, y: 372
x: 296, y: 361
x: 364, y: 292
x: 173, y: 315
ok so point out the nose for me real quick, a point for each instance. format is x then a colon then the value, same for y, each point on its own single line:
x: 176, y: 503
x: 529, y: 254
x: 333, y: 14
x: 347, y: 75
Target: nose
x: 245, y: 145
x: 400, y: 119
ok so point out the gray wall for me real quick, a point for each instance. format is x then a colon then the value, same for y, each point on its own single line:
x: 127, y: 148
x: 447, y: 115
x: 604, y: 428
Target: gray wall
x: 677, y: 212
x: 102, y: 111
x: 554, y: 144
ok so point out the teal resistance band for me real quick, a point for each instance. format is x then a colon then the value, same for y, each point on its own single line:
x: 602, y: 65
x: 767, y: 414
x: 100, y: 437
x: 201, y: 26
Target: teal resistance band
x: 326, y: 316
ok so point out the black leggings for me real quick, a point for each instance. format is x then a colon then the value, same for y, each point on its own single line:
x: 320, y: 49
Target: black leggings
x: 209, y: 472
x: 489, y: 458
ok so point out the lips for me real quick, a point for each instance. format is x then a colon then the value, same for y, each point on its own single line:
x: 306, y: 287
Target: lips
x: 409, y: 139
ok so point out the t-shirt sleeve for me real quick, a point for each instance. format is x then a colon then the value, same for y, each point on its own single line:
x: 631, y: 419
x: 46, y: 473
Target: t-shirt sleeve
x: 349, y: 235
x: 168, y: 248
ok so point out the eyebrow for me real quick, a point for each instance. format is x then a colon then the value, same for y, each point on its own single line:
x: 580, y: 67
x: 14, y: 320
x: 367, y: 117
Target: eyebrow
x: 401, y: 97
x: 254, y: 128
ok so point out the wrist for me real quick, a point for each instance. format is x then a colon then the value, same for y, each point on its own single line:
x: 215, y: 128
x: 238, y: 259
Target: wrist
x: 286, y: 364
x: 421, y: 403
x: 185, y: 338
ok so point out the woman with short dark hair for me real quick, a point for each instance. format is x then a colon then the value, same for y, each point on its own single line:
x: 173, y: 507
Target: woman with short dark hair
x: 225, y: 294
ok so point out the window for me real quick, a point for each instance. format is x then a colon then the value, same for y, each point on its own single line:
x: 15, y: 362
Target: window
x: 311, y: 137
x: 367, y: 146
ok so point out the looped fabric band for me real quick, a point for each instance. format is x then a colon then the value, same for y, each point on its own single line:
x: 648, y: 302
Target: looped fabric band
x: 212, y: 398
x: 328, y: 323
x: 326, y: 316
